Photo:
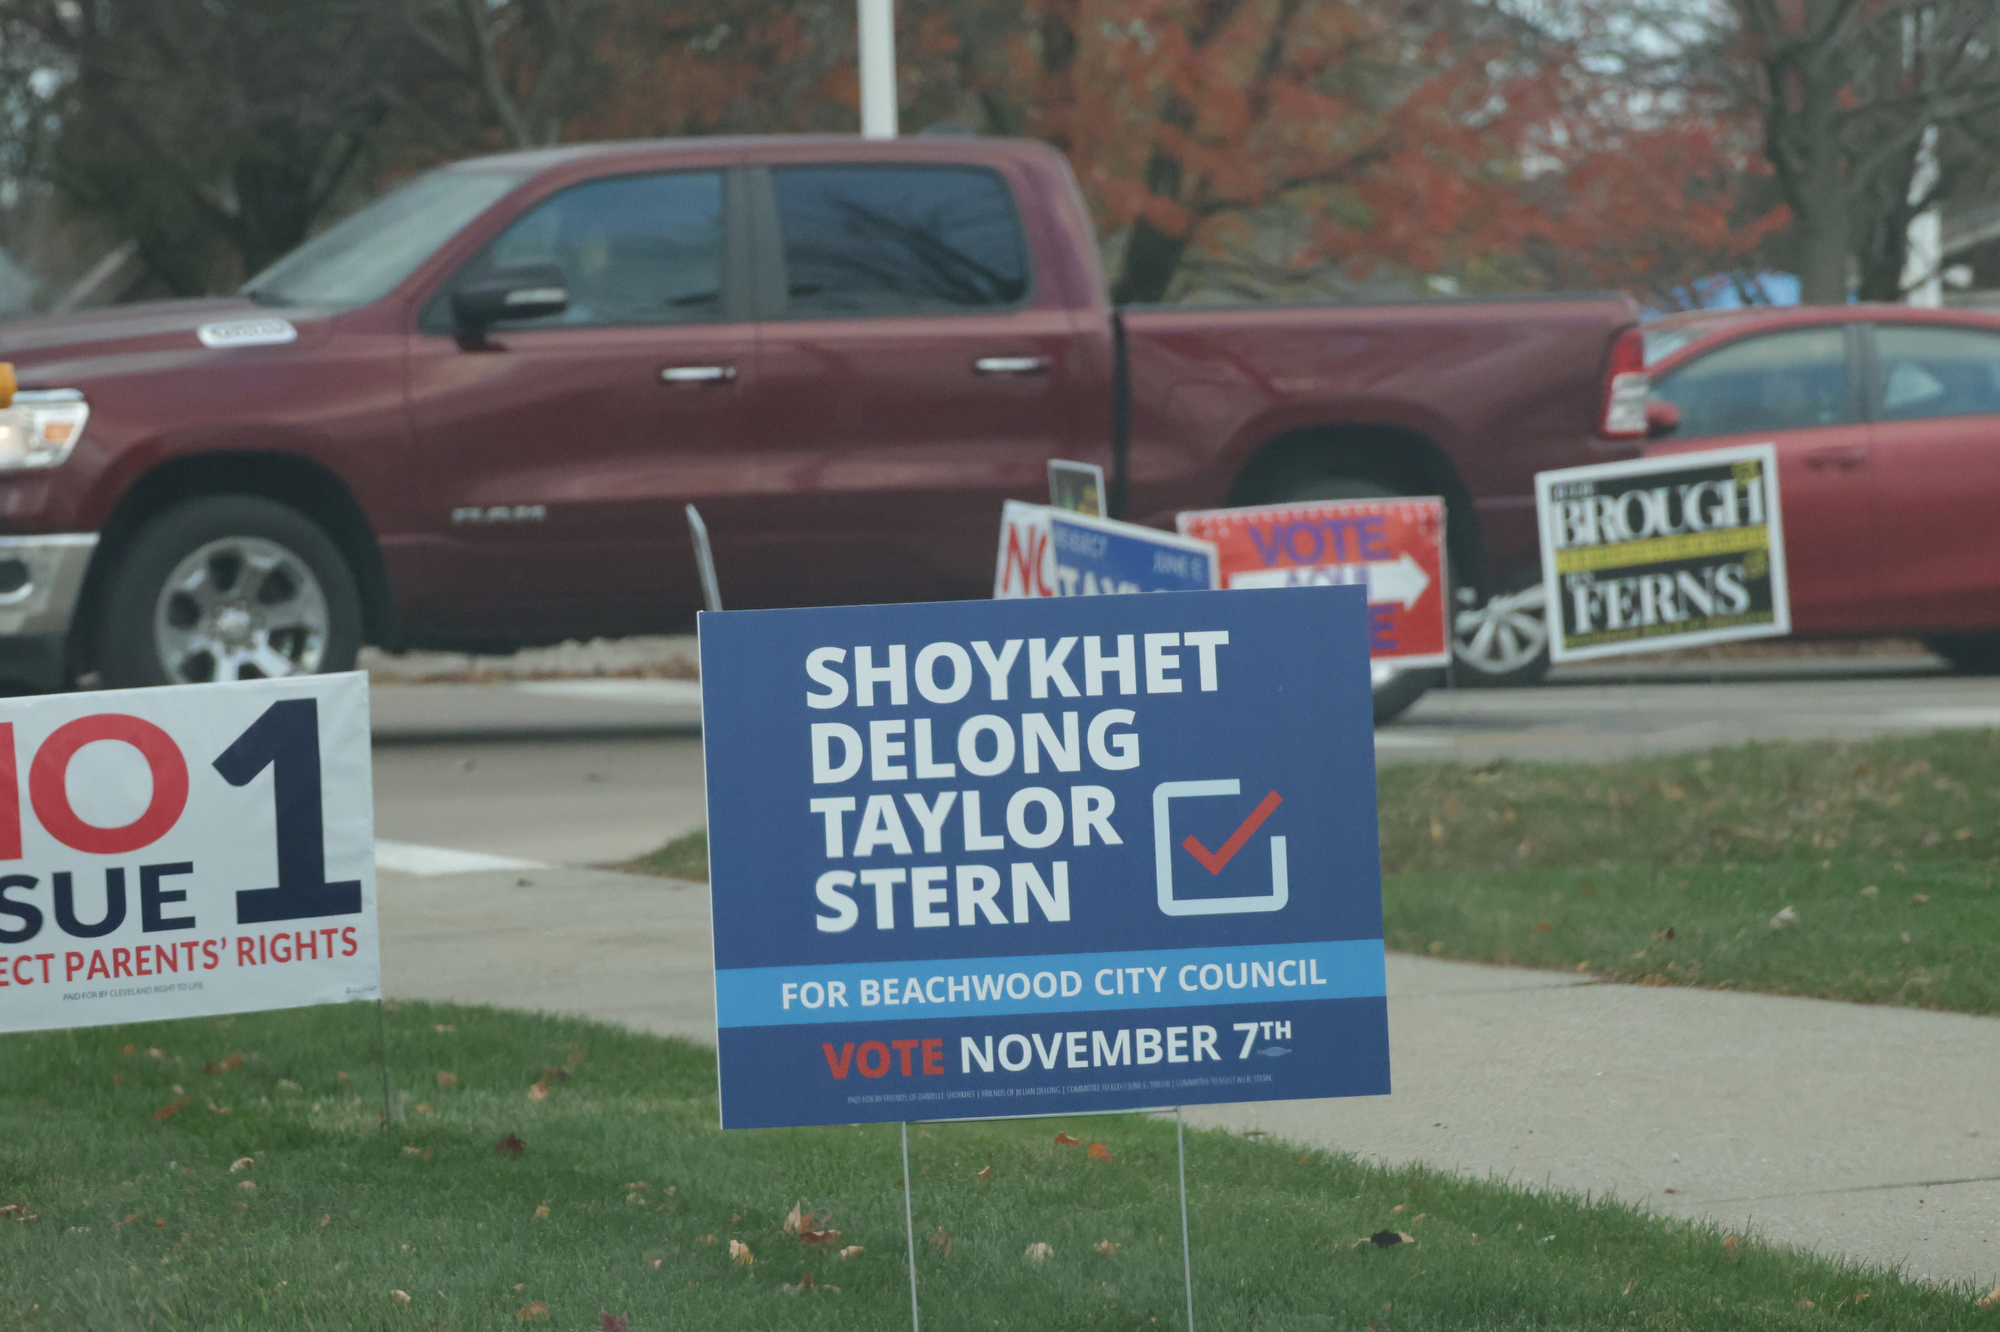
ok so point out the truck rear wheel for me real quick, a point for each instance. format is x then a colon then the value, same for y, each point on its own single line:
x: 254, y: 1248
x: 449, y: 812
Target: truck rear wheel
x: 229, y: 587
x: 1394, y: 688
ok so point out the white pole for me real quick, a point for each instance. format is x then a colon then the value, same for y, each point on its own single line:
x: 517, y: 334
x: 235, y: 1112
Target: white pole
x: 1923, y: 261
x: 878, y: 69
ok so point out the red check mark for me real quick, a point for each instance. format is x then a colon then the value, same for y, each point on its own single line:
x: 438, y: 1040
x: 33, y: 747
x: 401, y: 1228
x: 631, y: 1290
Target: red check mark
x: 1214, y: 861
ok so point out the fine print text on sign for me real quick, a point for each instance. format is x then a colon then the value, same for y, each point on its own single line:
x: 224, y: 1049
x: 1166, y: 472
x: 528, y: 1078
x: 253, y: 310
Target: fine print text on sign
x: 1392, y: 547
x: 1096, y: 556
x: 179, y: 852
x: 1665, y: 552
x: 987, y: 859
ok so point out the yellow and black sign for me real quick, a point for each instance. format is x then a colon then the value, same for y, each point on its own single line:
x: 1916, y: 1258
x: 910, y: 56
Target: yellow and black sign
x: 1660, y: 553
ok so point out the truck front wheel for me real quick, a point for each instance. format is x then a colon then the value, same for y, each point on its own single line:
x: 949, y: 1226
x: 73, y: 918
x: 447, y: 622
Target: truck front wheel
x: 229, y: 587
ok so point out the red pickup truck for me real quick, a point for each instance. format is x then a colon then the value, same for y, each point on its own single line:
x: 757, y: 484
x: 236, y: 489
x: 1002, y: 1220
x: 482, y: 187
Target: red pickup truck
x: 469, y: 414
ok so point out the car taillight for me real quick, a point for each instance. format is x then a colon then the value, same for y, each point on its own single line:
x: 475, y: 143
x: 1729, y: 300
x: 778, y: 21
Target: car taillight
x: 1626, y: 388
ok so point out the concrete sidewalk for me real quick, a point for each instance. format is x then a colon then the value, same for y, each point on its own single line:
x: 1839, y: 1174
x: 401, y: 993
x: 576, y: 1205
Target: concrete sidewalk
x: 1867, y: 1132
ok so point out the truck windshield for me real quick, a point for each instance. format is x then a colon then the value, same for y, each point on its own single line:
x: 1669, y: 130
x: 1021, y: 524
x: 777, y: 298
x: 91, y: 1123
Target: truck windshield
x: 364, y: 256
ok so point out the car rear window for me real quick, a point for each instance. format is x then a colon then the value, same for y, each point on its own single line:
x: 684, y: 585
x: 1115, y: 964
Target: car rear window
x: 1932, y: 371
x: 894, y: 240
x: 1780, y: 381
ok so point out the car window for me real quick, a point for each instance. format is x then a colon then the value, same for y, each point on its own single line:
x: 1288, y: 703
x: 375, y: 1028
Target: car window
x: 1780, y: 381
x: 897, y: 240
x: 633, y: 250
x: 364, y: 256
x: 1924, y: 372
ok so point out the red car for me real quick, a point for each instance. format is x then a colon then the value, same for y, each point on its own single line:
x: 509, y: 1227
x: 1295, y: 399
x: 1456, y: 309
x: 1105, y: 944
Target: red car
x: 1887, y: 425
x: 471, y: 413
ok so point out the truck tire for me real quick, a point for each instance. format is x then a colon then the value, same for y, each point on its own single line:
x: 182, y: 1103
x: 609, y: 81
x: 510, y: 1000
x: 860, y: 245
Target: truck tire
x: 1395, y: 688
x: 227, y: 587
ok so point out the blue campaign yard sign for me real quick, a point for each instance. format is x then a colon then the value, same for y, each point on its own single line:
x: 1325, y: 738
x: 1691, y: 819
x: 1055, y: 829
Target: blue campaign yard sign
x: 992, y: 858
x: 1094, y: 556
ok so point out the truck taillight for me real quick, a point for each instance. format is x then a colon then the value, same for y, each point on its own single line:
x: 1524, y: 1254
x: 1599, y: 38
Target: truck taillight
x: 1626, y: 388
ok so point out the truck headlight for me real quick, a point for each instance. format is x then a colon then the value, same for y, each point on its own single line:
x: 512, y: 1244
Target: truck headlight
x: 41, y: 427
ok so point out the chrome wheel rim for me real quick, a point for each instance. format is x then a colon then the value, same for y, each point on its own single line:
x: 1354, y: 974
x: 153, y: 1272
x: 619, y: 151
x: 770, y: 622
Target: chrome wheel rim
x: 1505, y: 634
x: 240, y: 608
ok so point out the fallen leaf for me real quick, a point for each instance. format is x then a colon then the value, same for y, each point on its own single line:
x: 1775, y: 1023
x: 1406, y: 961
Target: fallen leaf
x: 327, y: 1219
x: 985, y: 1175
x: 248, y: 1186
x: 341, y: 1078
x: 1635, y: 1281
x: 1099, y: 1151
x: 1038, y: 1253
x: 286, y: 1084
x: 1920, y: 898
x: 171, y: 1109
x: 533, y: 1311
x: 215, y: 1109
x: 1399, y: 1209
x: 1905, y: 936
x: 1304, y: 1160
x: 825, y: 1239
x: 1730, y: 1244
x: 606, y: 1323
x: 542, y: 1212
x: 793, y: 1221
x: 242, y: 1163
x: 413, y: 1150
x: 242, y: 1207
x: 1543, y: 927
x: 447, y: 1080
x: 704, y: 1239
x: 1871, y: 891
x: 941, y: 1241
x: 511, y: 1145
x: 227, y: 1064
x: 1064, y: 1140
x: 1785, y: 919
x: 852, y: 1251
x: 400, y: 1296
x: 1990, y: 1300
x: 538, y: 1092
x: 1104, y: 1247
x: 739, y: 1252
x: 425, y: 1108
x: 805, y: 1283
x: 129, y: 1050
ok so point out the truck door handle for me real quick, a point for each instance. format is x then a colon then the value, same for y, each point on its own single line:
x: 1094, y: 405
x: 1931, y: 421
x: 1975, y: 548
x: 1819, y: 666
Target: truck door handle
x: 1011, y: 365
x: 1845, y: 459
x: 697, y: 374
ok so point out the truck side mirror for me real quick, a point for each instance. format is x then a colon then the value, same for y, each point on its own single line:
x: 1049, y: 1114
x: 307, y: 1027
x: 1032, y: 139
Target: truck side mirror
x: 1662, y: 418
x: 526, y: 291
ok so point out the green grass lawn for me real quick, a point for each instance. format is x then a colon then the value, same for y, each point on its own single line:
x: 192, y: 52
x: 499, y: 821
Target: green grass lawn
x: 626, y: 1200
x: 1670, y: 870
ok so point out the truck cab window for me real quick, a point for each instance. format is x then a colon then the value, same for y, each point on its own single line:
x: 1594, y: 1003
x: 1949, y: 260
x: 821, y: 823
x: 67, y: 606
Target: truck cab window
x: 634, y: 250
x: 898, y: 240
x: 1782, y: 381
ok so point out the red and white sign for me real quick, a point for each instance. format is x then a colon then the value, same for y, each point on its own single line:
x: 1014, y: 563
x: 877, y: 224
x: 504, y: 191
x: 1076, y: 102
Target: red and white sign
x: 182, y: 852
x: 1027, y: 563
x: 1393, y: 546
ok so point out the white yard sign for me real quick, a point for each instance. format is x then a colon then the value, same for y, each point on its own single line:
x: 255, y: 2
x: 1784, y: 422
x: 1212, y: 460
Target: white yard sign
x: 169, y: 853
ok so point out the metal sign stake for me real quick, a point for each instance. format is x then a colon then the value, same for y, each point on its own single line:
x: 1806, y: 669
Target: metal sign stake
x: 910, y: 1229
x: 1187, y: 1255
x: 704, y: 560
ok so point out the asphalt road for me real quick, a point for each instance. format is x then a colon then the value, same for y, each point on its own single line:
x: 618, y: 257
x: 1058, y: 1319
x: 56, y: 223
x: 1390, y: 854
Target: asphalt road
x: 595, y: 771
